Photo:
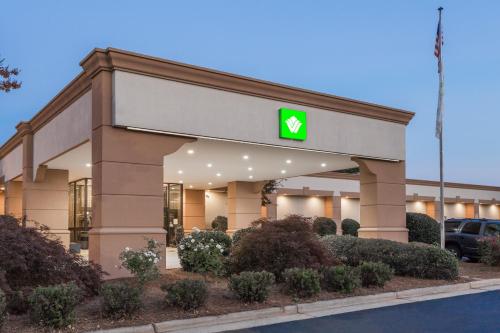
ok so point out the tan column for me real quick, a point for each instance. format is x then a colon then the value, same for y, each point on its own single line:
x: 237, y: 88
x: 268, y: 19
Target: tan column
x: 476, y: 210
x: 337, y: 212
x: 14, y: 198
x: 437, y: 210
x: 382, y: 200
x: 270, y: 211
x: 430, y: 209
x: 127, y: 183
x: 469, y: 210
x: 46, y: 202
x: 194, y: 210
x: 243, y: 202
x: 328, y: 207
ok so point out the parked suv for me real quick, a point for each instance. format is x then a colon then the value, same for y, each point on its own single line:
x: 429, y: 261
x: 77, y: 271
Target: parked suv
x: 462, y: 235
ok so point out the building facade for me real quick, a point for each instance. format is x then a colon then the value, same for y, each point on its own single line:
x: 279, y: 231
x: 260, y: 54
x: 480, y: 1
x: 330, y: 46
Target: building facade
x: 136, y: 146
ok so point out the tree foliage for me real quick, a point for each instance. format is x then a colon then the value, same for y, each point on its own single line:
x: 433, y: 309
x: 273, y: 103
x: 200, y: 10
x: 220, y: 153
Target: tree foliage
x: 8, y: 81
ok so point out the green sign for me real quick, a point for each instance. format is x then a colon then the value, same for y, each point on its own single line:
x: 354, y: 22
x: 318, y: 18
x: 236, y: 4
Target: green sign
x: 293, y: 124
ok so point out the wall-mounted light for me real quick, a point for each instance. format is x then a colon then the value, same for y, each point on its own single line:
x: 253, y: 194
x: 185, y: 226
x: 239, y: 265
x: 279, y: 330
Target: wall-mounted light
x: 88, y: 165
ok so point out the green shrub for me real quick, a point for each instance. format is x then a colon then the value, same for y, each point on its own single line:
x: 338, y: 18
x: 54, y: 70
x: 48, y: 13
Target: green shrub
x: 186, y: 294
x: 120, y: 300
x: 204, y: 252
x: 489, y: 251
x: 417, y: 260
x: 3, y: 308
x: 302, y: 282
x: 251, y: 286
x: 220, y: 223
x: 278, y: 245
x: 422, y: 228
x: 350, y: 227
x: 143, y: 263
x: 54, y: 306
x: 239, y: 234
x: 340, y: 278
x: 374, y: 273
x: 324, y: 226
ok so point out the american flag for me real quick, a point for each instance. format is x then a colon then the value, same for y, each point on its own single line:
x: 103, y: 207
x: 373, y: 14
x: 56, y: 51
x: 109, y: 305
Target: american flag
x: 439, y: 43
x: 437, y: 52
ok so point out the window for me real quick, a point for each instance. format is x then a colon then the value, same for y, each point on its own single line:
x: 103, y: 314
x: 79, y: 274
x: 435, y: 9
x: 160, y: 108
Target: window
x: 452, y: 226
x: 492, y: 229
x: 471, y: 228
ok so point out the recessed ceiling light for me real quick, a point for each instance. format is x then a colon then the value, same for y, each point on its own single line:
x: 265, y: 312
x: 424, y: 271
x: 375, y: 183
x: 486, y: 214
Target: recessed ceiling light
x: 209, y: 165
x: 283, y: 171
x: 190, y: 186
x: 88, y: 165
x: 245, y: 157
x: 180, y: 172
x: 288, y: 161
x: 218, y: 174
x: 323, y: 165
x: 2, y: 188
x: 180, y: 182
x: 209, y: 183
x: 190, y: 152
x: 250, y: 168
x: 251, y: 177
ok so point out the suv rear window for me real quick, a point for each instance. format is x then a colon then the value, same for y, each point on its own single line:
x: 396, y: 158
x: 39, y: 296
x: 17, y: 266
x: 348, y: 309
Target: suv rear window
x: 452, y: 226
x: 471, y: 228
x: 492, y: 229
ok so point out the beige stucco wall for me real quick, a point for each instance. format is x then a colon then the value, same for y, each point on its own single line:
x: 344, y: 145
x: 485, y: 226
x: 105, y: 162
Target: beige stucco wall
x: 306, y: 206
x: 2, y: 203
x: 67, y: 130
x: 454, y: 210
x: 11, y: 166
x: 451, y: 192
x: 323, y: 184
x: 489, y: 211
x: 350, y: 209
x: 215, y: 204
x: 152, y: 103
x: 416, y: 207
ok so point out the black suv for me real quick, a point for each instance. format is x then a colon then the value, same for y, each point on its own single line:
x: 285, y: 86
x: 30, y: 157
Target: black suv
x: 462, y: 235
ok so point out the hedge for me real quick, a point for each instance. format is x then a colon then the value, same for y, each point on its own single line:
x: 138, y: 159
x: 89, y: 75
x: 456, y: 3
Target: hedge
x: 417, y: 260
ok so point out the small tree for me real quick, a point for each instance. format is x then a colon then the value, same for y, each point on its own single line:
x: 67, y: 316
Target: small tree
x: 7, y: 80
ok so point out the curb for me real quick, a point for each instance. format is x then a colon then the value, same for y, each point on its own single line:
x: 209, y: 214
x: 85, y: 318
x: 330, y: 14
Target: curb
x: 297, y: 311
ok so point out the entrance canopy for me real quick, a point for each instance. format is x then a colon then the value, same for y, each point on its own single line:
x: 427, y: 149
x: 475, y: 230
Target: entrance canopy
x: 207, y: 164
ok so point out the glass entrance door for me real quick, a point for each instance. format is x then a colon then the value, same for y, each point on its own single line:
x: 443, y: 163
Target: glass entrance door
x: 172, y: 213
x: 80, y: 211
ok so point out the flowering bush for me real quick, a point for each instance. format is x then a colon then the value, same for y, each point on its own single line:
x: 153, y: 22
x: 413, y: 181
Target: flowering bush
x: 489, y: 250
x: 143, y: 262
x: 204, y: 251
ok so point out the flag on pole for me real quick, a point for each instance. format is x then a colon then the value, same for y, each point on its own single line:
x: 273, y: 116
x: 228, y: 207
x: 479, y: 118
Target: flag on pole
x: 439, y: 56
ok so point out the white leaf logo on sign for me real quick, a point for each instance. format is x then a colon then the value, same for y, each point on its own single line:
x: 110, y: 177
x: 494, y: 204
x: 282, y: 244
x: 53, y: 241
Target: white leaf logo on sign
x: 293, y: 124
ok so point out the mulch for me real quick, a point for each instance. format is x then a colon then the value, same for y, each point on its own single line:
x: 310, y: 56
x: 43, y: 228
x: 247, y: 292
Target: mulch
x: 221, y: 301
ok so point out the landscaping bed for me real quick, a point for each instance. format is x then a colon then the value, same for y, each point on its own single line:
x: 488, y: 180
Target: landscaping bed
x: 220, y: 301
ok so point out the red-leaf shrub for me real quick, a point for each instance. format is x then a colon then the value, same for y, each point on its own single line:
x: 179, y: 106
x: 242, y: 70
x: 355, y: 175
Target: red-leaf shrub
x: 28, y: 258
x: 278, y: 245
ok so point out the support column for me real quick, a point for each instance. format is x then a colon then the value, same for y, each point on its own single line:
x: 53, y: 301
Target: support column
x: 194, y: 210
x: 270, y: 211
x: 430, y: 209
x: 127, y: 183
x: 328, y: 207
x: 46, y: 202
x: 243, y: 202
x: 337, y: 212
x: 437, y: 210
x: 14, y: 198
x: 382, y: 200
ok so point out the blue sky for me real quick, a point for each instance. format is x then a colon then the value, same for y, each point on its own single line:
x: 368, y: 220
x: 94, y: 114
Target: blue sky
x: 376, y: 51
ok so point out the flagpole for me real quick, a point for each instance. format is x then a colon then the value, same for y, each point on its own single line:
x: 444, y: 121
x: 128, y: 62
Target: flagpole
x: 441, y: 159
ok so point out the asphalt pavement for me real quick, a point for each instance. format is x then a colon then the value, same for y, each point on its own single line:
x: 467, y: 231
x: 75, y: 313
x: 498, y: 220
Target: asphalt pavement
x: 460, y: 314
